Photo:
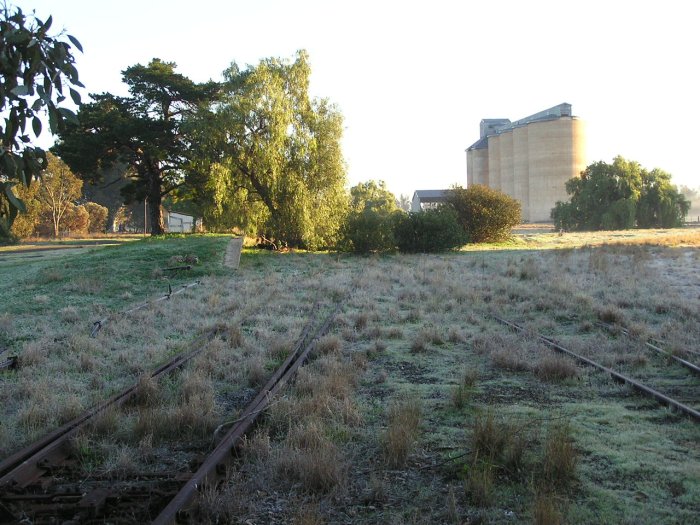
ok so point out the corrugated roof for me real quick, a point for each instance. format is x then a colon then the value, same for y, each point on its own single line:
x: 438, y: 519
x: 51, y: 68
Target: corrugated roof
x: 482, y: 143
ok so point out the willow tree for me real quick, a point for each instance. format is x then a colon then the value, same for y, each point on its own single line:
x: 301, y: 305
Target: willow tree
x: 145, y: 132
x: 620, y: 196
x: 279, y: 158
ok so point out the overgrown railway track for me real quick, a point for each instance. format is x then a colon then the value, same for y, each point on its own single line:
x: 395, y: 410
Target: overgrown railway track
x: 43, y: 483
x: 655, y: 345
x: 617, y: 376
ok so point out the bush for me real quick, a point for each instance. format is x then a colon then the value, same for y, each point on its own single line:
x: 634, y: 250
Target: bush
x: 25, y: 223
x: 369, y: 230
x: 97, y: 217
x: 429, y: 231
x: 485, y: 214
x: 76, y: 219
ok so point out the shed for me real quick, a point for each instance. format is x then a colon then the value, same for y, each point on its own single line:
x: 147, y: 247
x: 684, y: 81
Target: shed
x: 179, y: 222
x: 428, y: 199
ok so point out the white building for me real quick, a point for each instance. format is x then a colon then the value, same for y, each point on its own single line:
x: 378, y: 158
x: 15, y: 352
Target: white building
x: 179, y: 222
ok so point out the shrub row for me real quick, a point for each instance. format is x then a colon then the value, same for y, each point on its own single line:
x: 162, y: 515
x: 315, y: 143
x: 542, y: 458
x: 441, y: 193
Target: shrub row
x: 428, y: 231
x: 476, y: 214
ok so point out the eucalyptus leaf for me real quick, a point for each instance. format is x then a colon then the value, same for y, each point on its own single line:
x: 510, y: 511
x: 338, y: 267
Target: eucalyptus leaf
x: 75, y: 96
x: 14, y: 200
x: 36, y: 126
x: 76, y: 43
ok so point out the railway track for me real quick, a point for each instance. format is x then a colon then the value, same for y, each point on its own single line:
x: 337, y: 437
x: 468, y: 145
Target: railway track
x: 655, y: 345
x: 44, y: 482
x: 634, y: 383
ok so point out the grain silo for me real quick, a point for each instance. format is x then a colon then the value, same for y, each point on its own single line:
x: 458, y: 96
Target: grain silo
x: 507, y: 180
x: 530, y: 159
x: 521, y: 167
x: 494, y: 150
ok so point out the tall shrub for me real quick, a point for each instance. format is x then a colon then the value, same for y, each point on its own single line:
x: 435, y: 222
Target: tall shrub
x: 485, y: 214
x: 369, y: 230
x: 429, y: 231
x: 98, y: 217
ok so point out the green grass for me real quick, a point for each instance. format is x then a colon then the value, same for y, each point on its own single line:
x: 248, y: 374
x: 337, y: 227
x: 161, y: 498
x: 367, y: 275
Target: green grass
x: 113, y: 276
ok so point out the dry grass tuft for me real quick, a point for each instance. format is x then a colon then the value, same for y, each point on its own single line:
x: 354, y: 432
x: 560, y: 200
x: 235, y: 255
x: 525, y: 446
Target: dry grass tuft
x: 34, y: 353
x: 69, y: 314
x: 394, y: 333
x: 529, y: 270
x: 402, y: 431
x: 462, y: 393
x: 256, y: 448
x: 509, y: 360
x: 106, y: 423
x: 456, y: 335
x: 555, y: 368
x: 376, y: 490
x: 545, y: 510
x: 419, y: 345
x: 196, y: 416
x: 560, y: 456
x: 489, y: 437
x: 451, y: 506
x: 498, y: 443
x: 309, y: 457
x: 329, y: 344
x: 611, y: 314
x: 5, y: 323
x: 461, y: 396
x: 255, y: 371
x: 308, y: 514
x: 479, y: 485
x: 147, y: 391
x: 360, y: 321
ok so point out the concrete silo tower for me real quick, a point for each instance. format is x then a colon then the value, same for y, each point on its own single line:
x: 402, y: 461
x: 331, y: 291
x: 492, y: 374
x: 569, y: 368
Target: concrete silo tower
x: 530, y: 159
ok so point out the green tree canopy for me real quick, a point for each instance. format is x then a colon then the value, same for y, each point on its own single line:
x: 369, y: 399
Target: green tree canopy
x: 372, y: 195
x: 486, y: 215
x: 146, y: 132
x: 277, y: 155
x: 618, y: 196
x: 58, y: 189
x: 369, y: 225
x: 37, y: 73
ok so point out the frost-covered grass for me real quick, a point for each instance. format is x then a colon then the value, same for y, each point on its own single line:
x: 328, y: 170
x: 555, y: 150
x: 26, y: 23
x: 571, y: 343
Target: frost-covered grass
x: 414, y: 331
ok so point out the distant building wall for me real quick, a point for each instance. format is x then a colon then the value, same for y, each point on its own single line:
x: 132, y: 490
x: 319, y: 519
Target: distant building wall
x: 415, y: 203
x: 179, y: 222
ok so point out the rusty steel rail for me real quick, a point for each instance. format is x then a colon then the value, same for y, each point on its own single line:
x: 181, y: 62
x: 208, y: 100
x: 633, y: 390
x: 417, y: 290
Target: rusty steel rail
x: 687, y: 364
x: 214, y: 468
x: 9, y: 364
x: 640, y: 387
x: 29, y: 464
x: 97, y: 325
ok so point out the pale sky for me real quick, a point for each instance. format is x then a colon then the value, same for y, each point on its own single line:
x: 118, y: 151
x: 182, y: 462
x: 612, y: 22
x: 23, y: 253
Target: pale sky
x: 413, y: 79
